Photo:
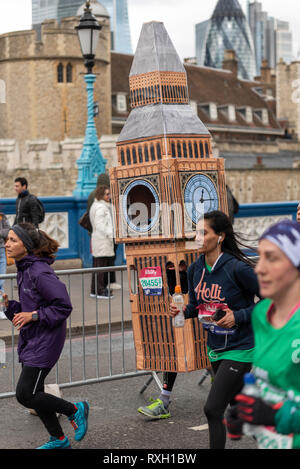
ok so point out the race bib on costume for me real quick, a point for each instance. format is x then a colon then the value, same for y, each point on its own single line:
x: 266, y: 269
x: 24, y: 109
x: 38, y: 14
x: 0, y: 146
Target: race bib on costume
x: 151, y: 281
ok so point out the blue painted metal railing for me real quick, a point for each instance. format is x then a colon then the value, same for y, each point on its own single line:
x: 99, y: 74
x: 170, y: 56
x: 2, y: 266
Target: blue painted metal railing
x: 268, y: 209
x: 79, y: 240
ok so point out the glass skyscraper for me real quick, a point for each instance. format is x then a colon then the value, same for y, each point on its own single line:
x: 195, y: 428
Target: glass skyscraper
x: 118, y: 11
x: 43, y: 9
x: 68, y: 8
x: 273, y: 39
x: 227, y: 29
x: 121, y: 38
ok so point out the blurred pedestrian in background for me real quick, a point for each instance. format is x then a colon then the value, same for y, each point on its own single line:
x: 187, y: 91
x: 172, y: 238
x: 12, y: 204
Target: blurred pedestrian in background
x: 102, y: 241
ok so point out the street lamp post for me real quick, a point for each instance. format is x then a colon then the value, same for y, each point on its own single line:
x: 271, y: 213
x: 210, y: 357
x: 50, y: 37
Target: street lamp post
x: 91, y: 162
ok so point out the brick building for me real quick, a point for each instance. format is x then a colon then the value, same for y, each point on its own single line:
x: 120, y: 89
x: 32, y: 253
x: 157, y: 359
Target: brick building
x: 45, y: 90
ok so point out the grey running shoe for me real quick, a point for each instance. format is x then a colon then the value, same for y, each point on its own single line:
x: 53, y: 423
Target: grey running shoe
x: 156, y: 410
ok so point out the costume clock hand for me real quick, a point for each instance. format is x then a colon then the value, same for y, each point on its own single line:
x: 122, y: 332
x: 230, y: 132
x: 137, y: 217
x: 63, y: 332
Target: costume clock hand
x: 204, y: 200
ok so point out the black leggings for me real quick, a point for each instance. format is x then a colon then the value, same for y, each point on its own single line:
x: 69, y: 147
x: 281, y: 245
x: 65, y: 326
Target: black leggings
x: 227, y: 383
x: 30, y: 393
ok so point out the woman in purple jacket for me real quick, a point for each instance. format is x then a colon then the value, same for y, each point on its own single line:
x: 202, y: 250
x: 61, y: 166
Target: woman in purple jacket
x: 41, y: 316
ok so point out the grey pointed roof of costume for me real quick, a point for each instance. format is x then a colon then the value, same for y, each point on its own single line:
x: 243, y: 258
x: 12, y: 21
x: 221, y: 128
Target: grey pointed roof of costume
x: 155, y: 52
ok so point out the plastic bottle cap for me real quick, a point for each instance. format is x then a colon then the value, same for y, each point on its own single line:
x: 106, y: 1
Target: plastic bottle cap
x: 178, y: 289
x: 249, y: 378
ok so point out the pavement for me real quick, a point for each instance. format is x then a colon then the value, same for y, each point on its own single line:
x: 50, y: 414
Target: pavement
x: 115, y: 426
x: 116, y: 429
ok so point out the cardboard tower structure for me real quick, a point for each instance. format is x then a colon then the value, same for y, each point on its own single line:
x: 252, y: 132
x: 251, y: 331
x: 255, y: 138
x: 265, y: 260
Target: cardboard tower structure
x: 166, y: 179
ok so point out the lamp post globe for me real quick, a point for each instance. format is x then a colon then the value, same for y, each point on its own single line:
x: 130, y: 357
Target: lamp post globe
x: 88, y: 34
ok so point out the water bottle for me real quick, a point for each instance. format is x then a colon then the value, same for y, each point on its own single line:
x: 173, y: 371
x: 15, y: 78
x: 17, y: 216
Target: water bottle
x: 178, y: 300
x: 250, y: 389
x: 2, y: 305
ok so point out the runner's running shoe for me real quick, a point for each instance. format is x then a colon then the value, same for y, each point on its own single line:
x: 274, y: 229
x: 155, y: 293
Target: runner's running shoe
x: 79, y: 420
x: 56, y: 443
x: 156, y: 410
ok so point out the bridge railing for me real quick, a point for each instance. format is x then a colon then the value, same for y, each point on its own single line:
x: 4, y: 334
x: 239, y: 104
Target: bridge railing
x: 63, y: 213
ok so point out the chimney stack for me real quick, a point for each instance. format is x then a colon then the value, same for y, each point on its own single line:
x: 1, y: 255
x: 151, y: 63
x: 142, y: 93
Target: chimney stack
x: 265, y: 72
x: 230, y: 62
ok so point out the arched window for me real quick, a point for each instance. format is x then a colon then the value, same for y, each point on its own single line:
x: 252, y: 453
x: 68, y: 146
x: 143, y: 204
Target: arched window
x: 140, y: 152
x: 146, y: 153
x: 128, y: 156
x: 179, y: 154
x: 158, y: 91
x: 152, y: 152
x: 158, y: 151
x: 201, y: 150
x: 60, y: 73
x: 196, y: 150
x: 122, y: 157
x: 134, y: 155
x: 173, y: 149
x: 69, y: 73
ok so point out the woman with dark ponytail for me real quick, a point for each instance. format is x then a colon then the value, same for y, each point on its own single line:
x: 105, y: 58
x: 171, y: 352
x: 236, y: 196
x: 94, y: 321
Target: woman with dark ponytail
x: 222, y: 289
x: 40, y: 315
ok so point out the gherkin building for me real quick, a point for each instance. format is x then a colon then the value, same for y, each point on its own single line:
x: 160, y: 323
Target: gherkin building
x: 228, y: 29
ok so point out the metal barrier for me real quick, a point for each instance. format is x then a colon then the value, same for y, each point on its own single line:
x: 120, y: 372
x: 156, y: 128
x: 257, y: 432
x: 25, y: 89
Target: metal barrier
x: 96, y: 328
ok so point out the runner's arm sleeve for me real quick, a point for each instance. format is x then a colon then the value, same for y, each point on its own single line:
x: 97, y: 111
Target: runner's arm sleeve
x: 247, y: 279
x: 248, y: 282
x: 243, y: 316
x: 14, y: 307
x: 287, y: 419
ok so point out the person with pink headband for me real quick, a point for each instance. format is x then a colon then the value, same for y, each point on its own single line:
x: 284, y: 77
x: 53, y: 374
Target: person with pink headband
x: 274, y: 414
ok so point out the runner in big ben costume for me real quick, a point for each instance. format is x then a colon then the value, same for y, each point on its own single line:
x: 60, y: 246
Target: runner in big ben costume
x: 165, y: 182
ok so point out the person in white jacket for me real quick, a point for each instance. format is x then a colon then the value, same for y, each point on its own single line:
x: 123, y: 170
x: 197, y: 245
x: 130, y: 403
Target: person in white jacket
x: 102, y: 241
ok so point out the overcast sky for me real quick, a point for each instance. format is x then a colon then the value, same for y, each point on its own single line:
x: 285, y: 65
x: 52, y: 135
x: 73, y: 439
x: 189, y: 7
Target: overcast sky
x: 179, y: 17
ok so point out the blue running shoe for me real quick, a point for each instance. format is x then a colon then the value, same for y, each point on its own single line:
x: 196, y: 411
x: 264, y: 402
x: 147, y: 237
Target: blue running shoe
x: 79, y: 420
x: 56, y: 443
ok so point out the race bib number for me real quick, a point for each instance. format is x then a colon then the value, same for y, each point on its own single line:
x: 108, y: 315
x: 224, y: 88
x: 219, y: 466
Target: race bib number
x: 151, y: 281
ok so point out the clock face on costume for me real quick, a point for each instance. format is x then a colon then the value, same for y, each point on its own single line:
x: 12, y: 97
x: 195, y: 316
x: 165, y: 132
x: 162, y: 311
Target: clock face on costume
x: 200, y: 196
x: 140, y: 205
